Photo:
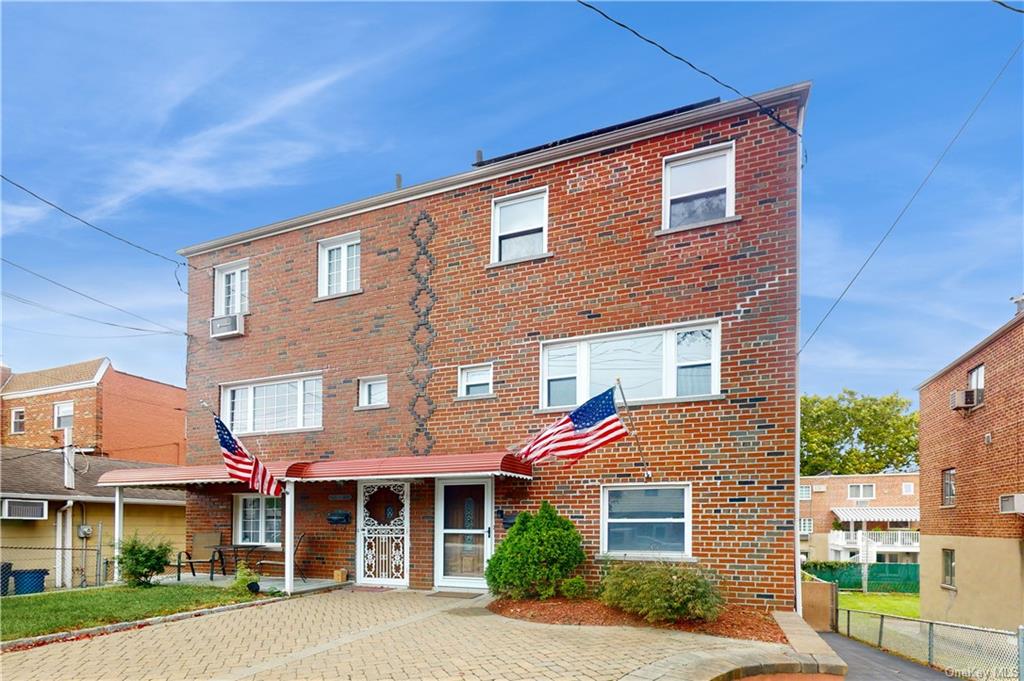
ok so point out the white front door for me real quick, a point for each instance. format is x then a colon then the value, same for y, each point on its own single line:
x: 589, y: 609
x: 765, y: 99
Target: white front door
x: 382, y: 526
x: 463, y: 532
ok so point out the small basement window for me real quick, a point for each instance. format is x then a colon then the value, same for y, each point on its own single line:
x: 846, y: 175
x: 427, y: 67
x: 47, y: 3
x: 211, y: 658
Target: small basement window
x: 373, y: 392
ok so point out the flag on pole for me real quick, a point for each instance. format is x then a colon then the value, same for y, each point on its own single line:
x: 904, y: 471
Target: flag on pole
x: 593, y: 424
x: 244, y: 466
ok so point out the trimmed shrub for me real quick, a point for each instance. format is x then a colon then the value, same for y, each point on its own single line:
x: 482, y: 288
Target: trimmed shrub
x: 538, y: 552
x: 574, y: 588
x: 142, y: 560
x: 243, y: 577
x: 663, y: 593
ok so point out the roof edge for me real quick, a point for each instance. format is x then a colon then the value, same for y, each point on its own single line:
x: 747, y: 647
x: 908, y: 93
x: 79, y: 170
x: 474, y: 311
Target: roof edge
x: 544, y: 156
x: 1017, y: 319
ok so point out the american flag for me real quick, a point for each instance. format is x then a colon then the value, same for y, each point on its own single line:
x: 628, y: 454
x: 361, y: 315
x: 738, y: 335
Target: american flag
x: 244, y: 466
x: 593, y: 424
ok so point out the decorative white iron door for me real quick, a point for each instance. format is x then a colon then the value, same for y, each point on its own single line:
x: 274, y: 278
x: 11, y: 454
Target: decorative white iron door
x: 383, y: 529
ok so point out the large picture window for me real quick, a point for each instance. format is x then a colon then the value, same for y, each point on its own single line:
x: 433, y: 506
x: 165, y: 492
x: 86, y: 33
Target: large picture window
x: 257, y: 519
x: 646, y: 521
x: 699, y: 187
x: 339, y: 265
x: 274, y: 405
x: 679, y: 361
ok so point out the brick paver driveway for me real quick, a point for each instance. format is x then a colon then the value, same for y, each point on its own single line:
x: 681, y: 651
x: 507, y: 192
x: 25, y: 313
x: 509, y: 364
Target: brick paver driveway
x: 391, y: 635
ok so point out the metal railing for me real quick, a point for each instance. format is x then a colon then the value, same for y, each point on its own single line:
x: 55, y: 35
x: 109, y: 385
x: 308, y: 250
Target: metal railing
x: 908, y: 538
x: 960, y: 650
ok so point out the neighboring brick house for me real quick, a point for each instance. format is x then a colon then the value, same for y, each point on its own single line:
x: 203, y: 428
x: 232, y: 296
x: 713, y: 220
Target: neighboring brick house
x: 111, y: 413
x: 972, y: 485
x: 867, y: 518
x: 397, y: 348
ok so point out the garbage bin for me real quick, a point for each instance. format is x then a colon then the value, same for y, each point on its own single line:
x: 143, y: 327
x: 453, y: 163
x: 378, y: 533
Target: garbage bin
x: 5, y: 577
x: 29, y: 581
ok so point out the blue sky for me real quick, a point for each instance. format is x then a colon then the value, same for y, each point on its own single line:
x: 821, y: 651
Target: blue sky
x: 174, y: 123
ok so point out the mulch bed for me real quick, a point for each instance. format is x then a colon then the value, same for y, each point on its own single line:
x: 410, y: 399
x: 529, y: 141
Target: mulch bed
x: 734, y: 622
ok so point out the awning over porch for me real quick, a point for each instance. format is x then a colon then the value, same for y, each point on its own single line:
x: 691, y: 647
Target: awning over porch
x: 451, y: 465
x: 878, y: 514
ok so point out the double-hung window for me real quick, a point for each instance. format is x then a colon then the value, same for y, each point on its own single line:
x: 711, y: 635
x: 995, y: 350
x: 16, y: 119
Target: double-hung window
x: 257, y: 519
x: 806, y: 525
x: 17, y: 421
x: 373, y: 391
x: 476, y: 381
x: 63, y: 415
x: 678, y: 361
x: 274, y: 405
x: 519, y: 226
x: 805, y: 492
x: 949, y: 487
x: 231, y: 288
x: 646, y: 520
x: 699, y: 187
x: 861, y: 492
x: 976, y: 378
x: 338, y: 265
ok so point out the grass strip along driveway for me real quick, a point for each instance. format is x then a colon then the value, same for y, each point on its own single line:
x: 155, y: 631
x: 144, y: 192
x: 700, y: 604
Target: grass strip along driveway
x: 904, y: 605
x: 48, y: 613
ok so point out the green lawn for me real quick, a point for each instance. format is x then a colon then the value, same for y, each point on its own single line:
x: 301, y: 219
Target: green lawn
x: 46, y: 613
x: 905, y: 605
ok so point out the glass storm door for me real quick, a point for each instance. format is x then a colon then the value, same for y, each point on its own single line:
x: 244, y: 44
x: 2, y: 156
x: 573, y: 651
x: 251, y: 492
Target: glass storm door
x: 383, y: 528
x: 463, y: 532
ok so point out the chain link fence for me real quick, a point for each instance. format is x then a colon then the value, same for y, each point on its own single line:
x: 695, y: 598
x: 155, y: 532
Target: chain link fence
x: 31, y: 569
x: 962, y: 651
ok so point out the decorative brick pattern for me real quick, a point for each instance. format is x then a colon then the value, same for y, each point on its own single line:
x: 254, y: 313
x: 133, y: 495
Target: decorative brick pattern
x: 422, y: 336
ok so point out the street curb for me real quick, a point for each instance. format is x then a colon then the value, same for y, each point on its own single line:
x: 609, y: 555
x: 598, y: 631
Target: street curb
x: 91, y: 632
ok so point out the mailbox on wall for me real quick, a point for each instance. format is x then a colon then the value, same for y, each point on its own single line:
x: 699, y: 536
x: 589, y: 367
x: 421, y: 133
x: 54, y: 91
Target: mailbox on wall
x: 339, y: 517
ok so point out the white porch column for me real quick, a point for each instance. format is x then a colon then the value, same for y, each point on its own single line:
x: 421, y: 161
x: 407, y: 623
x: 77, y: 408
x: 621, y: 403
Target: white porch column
x: 118, y: 530
x: 58, y: 566
x: 69, y: 543
x: 289, y: 536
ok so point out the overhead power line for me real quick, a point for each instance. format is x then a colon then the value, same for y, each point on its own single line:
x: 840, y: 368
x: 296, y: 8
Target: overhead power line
x: 88, y: 297
x: 75, y: 335
x: 1009, y: 6
x: 910, y: 201
x: 768, y: 111
x: 33, y: 303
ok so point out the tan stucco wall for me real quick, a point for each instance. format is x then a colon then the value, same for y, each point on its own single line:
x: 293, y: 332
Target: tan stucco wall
x: 818, y: 546
x: 989, y: 581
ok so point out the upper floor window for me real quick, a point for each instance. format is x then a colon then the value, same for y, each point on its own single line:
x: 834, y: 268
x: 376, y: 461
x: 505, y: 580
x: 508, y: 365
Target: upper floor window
x: 699, y: 186
x: 373, y: 391
x: 908, y: 489
x: 976, y: 378
x: 519, y: 225
x: 805, y: 492
x: 276, y: 405
x: 17, y: 421
x: 231, y: 289
x: 476, y: 381
x: 681, y: 361
x: 862, y: 491
x: 806, y: 525
x: 257, y: 519
x: 338, y: 265
x: 949, y: 487
x: 646, y: 520
x: 63, y: 415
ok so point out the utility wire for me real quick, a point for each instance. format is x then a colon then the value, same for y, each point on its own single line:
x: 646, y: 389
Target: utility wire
x: 768, y: 111
x: 33, y: 303
x: 1009, y: 6
x: 85, y: 222
x: 74, y: 335
x: 910, y: 201
x: 87, y: 296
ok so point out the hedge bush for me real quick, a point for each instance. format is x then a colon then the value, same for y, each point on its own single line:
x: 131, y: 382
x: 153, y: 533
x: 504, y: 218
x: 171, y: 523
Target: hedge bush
x: 141, y: 560
x: 538, y: 552
x: 574, y: 588
x: 663, y: 593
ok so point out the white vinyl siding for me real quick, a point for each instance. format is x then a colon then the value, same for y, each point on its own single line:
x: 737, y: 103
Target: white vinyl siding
x: 274, y: 405
x: 699, y: 187
x: 676, y: 362
x: 476, y: 380
x: 373, y: 391
x: 257, y: 519
x: 519, y: 225
x: 339, y: 265
x: 646, y: 521
x: 63, y: 415
x: 17, y: 421
x: 231, y: 289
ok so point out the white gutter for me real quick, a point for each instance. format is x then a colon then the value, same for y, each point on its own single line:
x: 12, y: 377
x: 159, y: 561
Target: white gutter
x: 58, y: 563
x: 798, y: 576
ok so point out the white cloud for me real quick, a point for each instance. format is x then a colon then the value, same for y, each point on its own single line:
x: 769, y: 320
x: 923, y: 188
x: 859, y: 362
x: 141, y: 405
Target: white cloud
x: 18, y: 217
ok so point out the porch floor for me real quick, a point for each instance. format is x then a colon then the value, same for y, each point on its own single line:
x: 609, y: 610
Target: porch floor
x: 266, y: 583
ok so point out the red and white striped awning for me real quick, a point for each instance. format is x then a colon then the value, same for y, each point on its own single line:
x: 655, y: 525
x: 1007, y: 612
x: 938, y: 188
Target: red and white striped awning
x: 395, y: 467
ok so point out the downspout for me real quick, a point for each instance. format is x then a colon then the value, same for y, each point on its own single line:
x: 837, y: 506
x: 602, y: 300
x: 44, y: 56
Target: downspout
x: 796, y: 473
x: 58, y: 576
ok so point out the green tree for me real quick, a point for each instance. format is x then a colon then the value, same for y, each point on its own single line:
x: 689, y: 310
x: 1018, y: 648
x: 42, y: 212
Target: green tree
x: 854, y: 433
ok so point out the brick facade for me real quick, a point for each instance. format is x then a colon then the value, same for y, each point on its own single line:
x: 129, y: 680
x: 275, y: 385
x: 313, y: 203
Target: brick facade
x: 888, y: 492
x: 87, y: 431
x: 425, y: 267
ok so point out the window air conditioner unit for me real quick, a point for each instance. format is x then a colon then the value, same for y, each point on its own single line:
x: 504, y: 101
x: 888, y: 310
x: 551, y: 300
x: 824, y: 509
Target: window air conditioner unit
x: 227, y: 326
x: 1011, y: 503
x: 966, y: 399
x: 819, y: 488
x: 24, y: 509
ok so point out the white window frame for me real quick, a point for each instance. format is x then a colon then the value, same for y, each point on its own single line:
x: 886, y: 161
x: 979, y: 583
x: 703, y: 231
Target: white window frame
x: 728, y: 149
x: 57, y: 406
x: 236, y: 525
x: 669, y: 375
x: 462, y: 380
x: 907, y: 489
x: 364, y: 392
x: 518, y: 197
x: 860, y: 491
x: 18, y: 410
x: 324, y: 246
x: 949, y: 579
x: 806, y: 526
x: 804, y: 493
x: 687, y: 522
x: 225, y: 402
x: 220, y: 271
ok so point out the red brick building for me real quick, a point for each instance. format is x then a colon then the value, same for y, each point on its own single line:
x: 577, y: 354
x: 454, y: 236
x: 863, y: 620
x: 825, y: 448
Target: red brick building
x: 972, y: 484
x: 396, y: 349
x: 110, y: 413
